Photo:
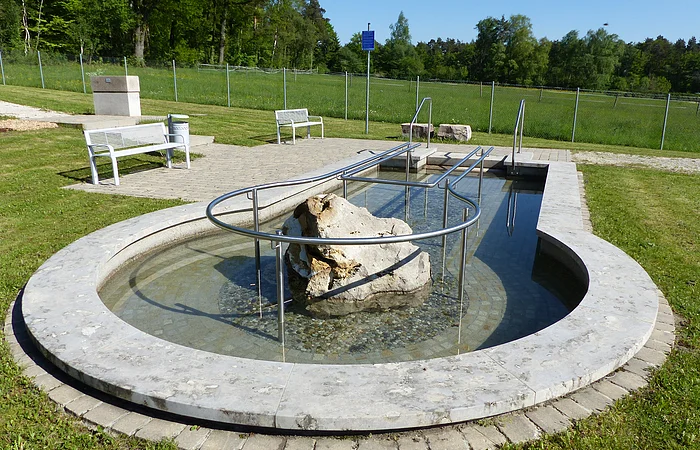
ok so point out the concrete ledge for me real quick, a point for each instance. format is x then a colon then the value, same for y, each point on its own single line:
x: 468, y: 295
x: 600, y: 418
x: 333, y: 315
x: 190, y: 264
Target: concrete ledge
x: 75, y: 331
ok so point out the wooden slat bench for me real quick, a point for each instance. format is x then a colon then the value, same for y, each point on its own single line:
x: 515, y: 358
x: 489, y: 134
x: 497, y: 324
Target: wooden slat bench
x: 131, y: 140
x: 296, y: 118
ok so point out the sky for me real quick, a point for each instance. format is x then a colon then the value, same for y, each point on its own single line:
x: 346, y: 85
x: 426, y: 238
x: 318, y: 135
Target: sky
x: 632, y: 21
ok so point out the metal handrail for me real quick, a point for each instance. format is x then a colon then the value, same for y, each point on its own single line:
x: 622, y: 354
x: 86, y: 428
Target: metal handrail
x: 519, y: 123
x: 415, y: 117
x: 277, y: 239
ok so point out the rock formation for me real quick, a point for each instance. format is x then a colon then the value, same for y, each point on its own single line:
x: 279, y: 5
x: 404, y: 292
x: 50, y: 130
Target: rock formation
x: 333, y: 280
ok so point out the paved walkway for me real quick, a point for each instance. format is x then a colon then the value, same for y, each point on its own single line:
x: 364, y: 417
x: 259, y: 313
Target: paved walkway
x: 224, y: 168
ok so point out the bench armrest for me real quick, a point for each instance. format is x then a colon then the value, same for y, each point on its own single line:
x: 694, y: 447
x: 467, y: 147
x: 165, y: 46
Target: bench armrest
x: 93, y: 147
x: 288, y: 122
x: 182, y: 138
x: 316, y: 117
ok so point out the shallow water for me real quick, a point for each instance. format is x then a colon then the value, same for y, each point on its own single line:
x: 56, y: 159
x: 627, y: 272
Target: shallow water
x: 202, y: 293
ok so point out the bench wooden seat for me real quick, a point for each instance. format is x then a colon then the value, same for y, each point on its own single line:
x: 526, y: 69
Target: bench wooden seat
x: 132, y: 140
x: 296, y: 118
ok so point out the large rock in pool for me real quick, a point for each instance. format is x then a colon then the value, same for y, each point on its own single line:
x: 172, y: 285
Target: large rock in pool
x: 334, y: 280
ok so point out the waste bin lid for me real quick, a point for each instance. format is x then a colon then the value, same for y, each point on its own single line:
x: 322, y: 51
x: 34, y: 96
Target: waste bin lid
x: 178, y: 116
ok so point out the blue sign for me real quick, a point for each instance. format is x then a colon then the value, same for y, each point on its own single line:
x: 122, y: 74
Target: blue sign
x: 368, y: 41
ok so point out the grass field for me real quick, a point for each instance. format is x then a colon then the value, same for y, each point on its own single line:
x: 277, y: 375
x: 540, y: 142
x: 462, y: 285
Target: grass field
x: 601, y: 119
x: 654, y: 216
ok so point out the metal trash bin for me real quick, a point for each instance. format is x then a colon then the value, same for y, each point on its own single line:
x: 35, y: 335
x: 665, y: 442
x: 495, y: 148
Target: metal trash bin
x: 179, y: 127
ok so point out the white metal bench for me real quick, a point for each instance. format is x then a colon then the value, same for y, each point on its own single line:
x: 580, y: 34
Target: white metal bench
x: 296, y: 118
x: 131, y: 140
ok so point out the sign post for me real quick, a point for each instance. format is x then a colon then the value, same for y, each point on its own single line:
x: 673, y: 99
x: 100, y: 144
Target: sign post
x: 368, y: 46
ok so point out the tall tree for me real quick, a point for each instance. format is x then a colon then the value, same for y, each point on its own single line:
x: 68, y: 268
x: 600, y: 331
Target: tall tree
x: 398, y: 57
x: 9, y: 24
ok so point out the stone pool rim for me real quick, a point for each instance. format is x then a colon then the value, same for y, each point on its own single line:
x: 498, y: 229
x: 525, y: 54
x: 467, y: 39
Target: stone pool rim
x: 75, y: 330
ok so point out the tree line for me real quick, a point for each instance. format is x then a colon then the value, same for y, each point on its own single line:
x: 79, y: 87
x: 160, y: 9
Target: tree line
x: 296, y: 34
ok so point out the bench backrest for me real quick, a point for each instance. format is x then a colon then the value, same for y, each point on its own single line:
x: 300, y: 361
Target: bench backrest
x: 131, y: 136
x: 292, y: 115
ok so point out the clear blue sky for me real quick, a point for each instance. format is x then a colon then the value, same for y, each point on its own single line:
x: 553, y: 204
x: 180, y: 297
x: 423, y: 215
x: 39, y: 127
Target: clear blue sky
x: 632, y: 21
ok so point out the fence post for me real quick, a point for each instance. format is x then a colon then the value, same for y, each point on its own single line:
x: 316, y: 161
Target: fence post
x: 126, y: 69
x: 417, y: 90
x: 2, y: 69
x: 41, y: 69
x: 481, y: 89
x: 346, y: 95
x: 174, y: 80
x: 663, y: 132
x: 284, y: 84
x: 696, y: 111
x: 228, y: 87
x: 493, y: 88
x: 617, y: 96
x: 573, y: 130
x: 540, y: 99
x: 82, y: 73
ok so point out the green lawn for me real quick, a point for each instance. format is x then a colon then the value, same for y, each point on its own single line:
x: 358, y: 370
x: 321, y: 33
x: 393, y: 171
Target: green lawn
x: 654, y: 216
x: 601, y: 119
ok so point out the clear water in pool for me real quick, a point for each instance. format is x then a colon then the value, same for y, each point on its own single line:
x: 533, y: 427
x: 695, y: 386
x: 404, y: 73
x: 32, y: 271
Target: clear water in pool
x: 202, y: 294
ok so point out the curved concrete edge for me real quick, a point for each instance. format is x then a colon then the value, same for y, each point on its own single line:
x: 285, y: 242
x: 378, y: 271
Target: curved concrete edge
x: 75, y: 331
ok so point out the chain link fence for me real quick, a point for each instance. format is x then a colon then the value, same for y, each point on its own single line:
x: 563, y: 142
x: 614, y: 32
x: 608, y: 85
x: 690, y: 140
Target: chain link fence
x: 665, y: 121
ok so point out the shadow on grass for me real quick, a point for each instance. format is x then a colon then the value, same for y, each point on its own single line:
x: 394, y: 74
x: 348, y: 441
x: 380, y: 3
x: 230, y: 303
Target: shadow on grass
x: 104, y: 170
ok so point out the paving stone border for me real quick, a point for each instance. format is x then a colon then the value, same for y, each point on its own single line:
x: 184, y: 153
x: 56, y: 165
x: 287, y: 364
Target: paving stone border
x: 515, y: 427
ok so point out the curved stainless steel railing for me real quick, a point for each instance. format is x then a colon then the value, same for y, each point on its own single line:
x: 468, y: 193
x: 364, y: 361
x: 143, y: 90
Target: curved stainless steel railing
x: 347, y: 173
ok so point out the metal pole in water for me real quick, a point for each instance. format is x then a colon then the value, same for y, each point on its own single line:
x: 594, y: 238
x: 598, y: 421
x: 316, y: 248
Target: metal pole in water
x: 573, y: 130
x: 258, y: 269
x: 463, y: 262
x: 82, y: 73
x: 280, y: 290
x: 41, y: 70
x: 493, y: 87
x: 174, y: 80
x: 345, y: 188
x: 2, y: 69
x: 126, y: 69
x: 425, y: 204
x: 444, y: 212
x: 663, y: 132
x: 481, y: 176
x: 346, y: 95
x: 284, y: 82
x: 228, y: 87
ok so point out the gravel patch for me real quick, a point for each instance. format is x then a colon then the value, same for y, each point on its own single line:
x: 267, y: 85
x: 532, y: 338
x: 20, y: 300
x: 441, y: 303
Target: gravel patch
x: 24, y: 125
x: 681, y: 165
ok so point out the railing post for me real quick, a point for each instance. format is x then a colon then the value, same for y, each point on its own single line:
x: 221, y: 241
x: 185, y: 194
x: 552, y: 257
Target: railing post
x: 493, y: 88
x: 258, y: 268
x: 522, y: 127
x: 346, y: 95
x: 663, y: 132
x: 367, y: 102
x: 463, y: 259
x: 280, y: 289
x: 174, y: 80
x: 126, y: 69
x: 41, y: 70
x: 2, y: 69
x: 430, y: 120
x: 573, y: 129
x: 445, y: 212
x: 82, y: 73
x: 228, y: 86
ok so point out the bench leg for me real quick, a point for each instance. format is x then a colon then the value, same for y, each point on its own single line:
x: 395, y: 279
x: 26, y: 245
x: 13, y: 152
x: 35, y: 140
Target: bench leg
x: 294, y: 136
x: 308, y: 132
x: 322, y: 135
x: 187, y: 156
x: 115, y: 171
x: 169, y: 158
x: 93, y: 170
x: 278, y: 135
